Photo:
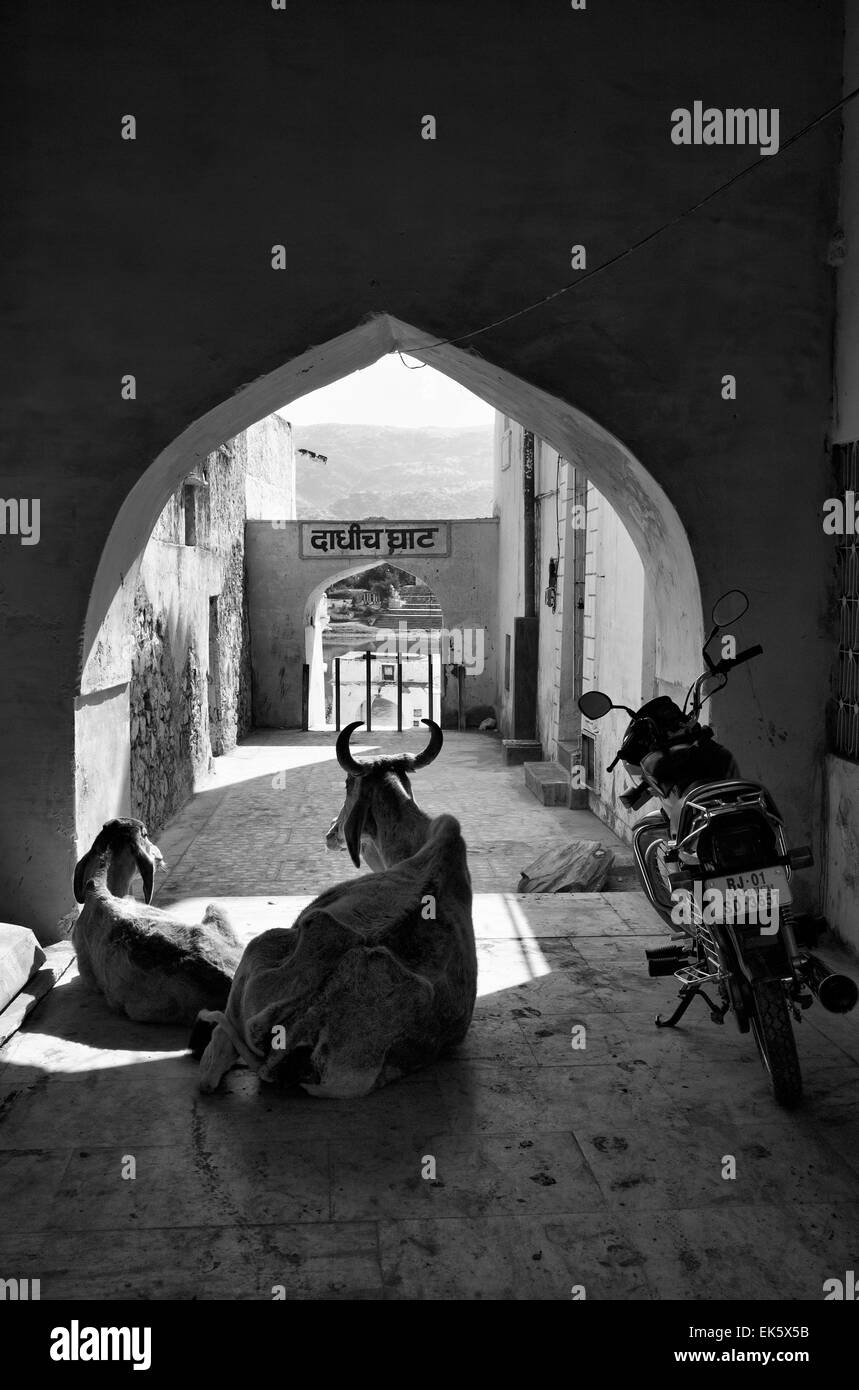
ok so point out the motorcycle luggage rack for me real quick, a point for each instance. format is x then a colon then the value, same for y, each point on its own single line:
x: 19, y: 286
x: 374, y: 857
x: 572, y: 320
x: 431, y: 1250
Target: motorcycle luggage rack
x: 693, y: 975
x: 707, y: 801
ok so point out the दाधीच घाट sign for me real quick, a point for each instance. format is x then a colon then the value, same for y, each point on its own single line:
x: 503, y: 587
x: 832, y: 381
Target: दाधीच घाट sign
x: 320, y: 539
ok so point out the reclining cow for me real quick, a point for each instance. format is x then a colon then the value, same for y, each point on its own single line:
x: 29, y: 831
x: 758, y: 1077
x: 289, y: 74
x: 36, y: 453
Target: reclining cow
x: 375, y: 979
x: 148, y: 964
x: 379, y: 820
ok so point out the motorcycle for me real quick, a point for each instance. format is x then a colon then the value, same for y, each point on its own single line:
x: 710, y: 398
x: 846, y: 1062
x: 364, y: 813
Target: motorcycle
x: 715, y: 863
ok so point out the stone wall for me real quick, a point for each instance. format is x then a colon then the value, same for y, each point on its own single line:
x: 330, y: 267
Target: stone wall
x: 614, y: 657
x: 158, y: 783
x: 270, y: 481
x: 284, y: 590
x: 841, y: 789
x: 190, y: 693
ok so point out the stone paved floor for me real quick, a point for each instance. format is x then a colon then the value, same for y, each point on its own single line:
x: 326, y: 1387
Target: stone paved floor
x: 555, y: 1167
x: 259, y: 827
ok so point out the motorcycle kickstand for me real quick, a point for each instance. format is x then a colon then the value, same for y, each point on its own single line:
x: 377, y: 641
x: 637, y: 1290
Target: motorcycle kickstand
x: 687, y: 994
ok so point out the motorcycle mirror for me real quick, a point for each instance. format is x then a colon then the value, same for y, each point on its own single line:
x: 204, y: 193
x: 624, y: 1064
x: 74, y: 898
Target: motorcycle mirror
x: 594, y: 704
x: 729, y: 608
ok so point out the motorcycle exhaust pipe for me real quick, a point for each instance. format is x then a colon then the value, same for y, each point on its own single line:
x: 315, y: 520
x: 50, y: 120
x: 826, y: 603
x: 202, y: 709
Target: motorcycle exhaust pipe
x: 665, y: 960
x: 837, y: 993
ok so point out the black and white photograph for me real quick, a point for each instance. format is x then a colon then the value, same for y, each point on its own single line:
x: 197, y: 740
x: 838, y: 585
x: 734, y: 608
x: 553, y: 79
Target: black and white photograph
x: 429, y: 669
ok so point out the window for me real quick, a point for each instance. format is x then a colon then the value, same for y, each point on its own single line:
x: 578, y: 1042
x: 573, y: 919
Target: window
x: 195, y: 506
x: 387, y: 673
x: 189, y: 506
x: 588, y: 761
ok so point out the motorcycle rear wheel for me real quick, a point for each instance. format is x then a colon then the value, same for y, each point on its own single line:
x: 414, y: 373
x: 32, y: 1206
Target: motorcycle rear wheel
x: 773, y: 1031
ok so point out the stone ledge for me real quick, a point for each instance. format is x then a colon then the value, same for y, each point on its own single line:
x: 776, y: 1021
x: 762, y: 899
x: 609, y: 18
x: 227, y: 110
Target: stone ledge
x: 20, y: 958
x: 57, y: 959
x: 521, y: 750
x: 549, y: 782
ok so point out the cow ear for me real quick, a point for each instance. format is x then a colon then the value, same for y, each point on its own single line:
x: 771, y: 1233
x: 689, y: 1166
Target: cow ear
x: 354, y: 829
x: 98, y: 846
x: 79, y: 877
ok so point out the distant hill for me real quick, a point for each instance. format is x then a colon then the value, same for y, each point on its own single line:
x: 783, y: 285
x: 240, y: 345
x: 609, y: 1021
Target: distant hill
x: 388, y: 471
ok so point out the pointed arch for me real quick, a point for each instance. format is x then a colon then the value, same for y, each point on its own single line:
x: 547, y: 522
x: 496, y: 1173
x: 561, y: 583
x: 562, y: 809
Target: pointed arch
x: 313, y: 641
x: 640, y: 501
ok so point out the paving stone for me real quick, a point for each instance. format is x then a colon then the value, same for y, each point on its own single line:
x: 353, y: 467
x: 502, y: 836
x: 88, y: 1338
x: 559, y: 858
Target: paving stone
x: 520, y: 1257
x: 476, y: 1175
x: 238, y: 1181
x: 326, y: 1260
x: 746, y: 1252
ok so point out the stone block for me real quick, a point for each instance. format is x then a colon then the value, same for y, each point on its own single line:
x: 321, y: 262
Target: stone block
x: 549, y: 782
x: 568, y: 755
x: 58, y: 958
x: 521, y: 750
x: 20, y: 957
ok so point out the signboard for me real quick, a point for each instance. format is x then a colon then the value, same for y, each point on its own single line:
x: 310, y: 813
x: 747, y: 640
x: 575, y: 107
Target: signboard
x: 319, y: 540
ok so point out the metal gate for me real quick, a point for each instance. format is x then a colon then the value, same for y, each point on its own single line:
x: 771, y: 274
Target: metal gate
x: 387, y: 660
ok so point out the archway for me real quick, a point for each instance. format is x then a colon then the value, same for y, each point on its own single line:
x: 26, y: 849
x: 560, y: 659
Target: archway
x: 643, y: 506
x: 387, y: 636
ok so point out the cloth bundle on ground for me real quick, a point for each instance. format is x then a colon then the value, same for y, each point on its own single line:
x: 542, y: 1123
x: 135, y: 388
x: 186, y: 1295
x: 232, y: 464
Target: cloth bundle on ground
x: 376, y: 977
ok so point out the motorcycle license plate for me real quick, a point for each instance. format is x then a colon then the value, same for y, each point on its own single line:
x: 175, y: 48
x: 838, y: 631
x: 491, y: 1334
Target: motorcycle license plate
x: 761, y: 882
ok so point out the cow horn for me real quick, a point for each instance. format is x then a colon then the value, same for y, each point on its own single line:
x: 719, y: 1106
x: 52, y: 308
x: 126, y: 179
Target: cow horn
x: 433, y: 748
x: 146, y: 867
x: 344, y: 757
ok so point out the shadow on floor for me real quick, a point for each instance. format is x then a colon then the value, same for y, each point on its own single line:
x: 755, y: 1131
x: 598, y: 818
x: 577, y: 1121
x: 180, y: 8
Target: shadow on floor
x: 517, y: 1168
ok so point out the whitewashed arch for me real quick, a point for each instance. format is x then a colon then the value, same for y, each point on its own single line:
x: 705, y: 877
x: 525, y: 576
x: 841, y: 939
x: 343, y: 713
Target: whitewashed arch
x: 642, y: 504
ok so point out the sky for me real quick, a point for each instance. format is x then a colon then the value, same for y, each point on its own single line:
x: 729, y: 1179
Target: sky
x: 389, y: 394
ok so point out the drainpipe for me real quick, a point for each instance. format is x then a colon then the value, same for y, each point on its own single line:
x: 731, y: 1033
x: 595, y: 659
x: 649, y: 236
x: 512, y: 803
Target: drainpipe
x: 526, y: 630
x: 528, y: 531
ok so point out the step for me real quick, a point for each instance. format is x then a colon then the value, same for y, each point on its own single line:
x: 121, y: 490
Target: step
x: 521, y: 750
x: 549, y: 782
x: 569, y: 755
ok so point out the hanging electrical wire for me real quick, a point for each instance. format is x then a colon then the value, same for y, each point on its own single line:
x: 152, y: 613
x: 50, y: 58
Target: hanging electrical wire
x: 636, y: 245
